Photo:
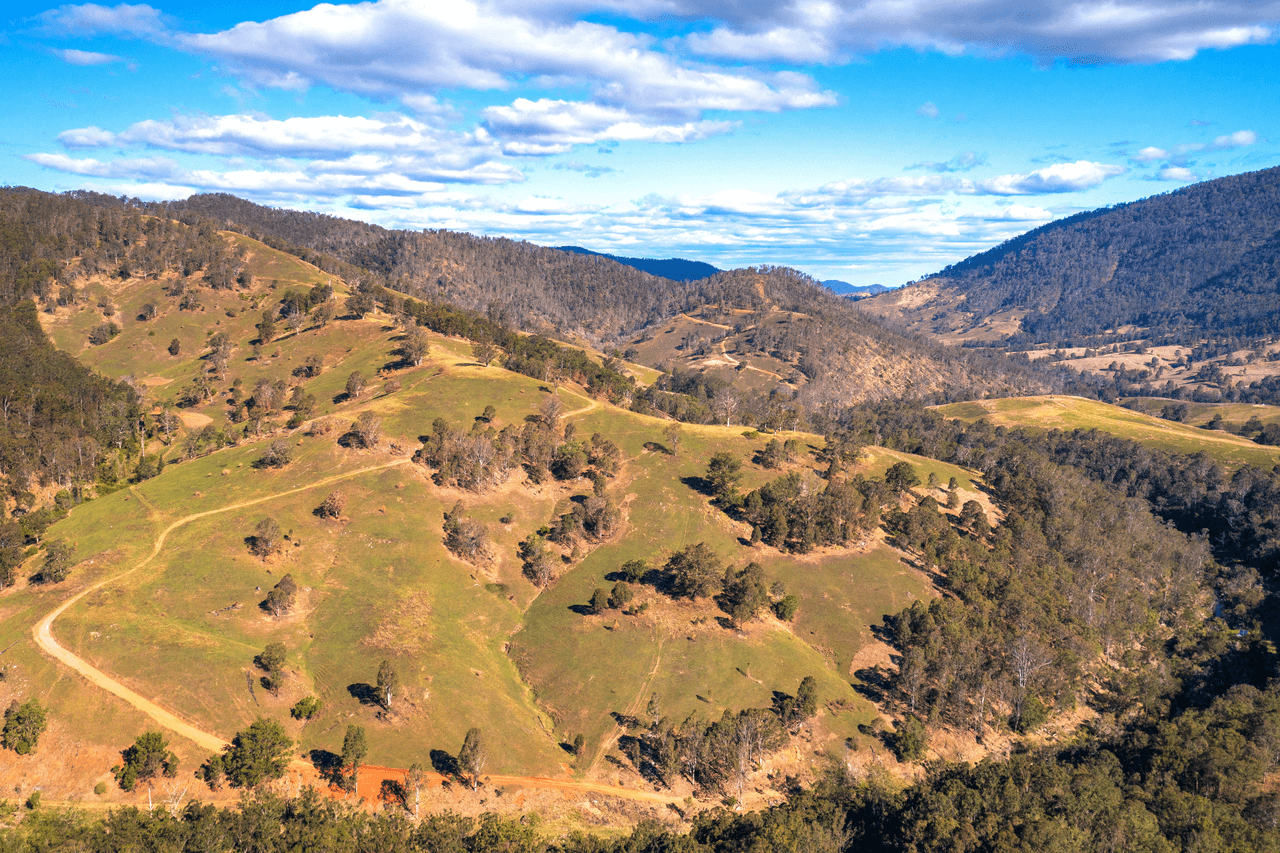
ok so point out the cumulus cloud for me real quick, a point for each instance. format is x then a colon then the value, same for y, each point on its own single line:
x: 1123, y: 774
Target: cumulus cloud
x: 144, y: 168
x: 321, y: 182
x: 553, y: 127
x: 398, y: 47
x: 1239, y: 139
x: 1084, y: 31
x: 928, y: 109
x: 86, y: 137
x: 1059, y: 178
x: 1177, y: 173
x: 85, y: 57
x: 355, y: 145
x: 1150, y: 154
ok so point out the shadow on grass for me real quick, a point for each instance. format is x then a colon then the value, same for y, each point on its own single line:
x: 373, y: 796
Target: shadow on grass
x: 444, y: 763
x: 363, y: 693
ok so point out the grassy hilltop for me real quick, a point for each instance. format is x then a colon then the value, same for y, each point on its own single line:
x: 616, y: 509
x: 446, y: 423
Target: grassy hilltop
x: 475, y: 644
x: 1071, y: 413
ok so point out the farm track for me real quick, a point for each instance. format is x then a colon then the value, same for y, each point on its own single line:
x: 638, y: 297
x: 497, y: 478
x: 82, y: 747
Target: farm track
x: 371, y: 775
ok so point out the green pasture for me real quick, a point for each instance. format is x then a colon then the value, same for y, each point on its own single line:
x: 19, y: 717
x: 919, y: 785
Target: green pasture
x: 1071, y: 413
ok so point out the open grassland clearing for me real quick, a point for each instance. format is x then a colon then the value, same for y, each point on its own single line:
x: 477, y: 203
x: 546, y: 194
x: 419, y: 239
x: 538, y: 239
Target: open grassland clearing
x: 1070, y: 413
x: 1234, y: 415
x: 474, y: 644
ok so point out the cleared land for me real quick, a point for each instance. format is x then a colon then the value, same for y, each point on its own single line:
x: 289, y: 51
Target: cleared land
x: 164, y: 602
x: 1071, y: 413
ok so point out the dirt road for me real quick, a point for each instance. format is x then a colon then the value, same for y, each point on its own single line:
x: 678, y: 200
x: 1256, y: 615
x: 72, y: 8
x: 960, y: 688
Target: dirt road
x: 371, y: 776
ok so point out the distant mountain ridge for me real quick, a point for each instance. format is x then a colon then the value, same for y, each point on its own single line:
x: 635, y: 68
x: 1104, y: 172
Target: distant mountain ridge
x: 1201, y: 261
x: 676, y: 269
x: 853, y: 291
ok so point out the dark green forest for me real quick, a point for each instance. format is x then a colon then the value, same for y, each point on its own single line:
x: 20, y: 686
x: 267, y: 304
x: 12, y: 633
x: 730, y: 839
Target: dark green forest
x: 1199, y: 262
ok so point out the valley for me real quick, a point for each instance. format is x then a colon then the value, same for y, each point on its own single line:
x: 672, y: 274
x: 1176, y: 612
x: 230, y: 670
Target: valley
x: 689, y: 562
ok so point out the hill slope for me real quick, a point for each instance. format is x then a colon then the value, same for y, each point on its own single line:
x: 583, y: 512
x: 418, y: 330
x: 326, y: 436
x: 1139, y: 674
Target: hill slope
x: 1199, y: 262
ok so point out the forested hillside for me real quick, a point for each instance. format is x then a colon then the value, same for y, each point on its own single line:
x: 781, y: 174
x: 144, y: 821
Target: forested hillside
x: 842, y: 352
x: 1197, y: 263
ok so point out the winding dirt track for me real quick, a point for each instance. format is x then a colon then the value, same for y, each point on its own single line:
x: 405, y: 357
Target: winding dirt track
x: 371, y: 776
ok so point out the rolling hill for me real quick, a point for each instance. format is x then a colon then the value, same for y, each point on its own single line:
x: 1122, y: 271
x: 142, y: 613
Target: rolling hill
x: 165, y: 582
x: 1193, y: 265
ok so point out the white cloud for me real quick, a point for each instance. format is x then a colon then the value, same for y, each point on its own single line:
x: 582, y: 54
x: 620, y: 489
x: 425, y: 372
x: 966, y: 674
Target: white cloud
x: 86, y: 137
x: 399, y: 48
x: 1177, y: 173
x: 1058, y: 178
x: 1088, y: 31
x: 1151, y: 153
x: 585, y: 169
x: 354, y: 145
x: 928, y: 109
x: 1239, y: 139
x: 91, y: 19
x: 543, y: 206
x: 144, y: 168
x: 963, y: 162
x: 554, y: 127
x: 85, y: 57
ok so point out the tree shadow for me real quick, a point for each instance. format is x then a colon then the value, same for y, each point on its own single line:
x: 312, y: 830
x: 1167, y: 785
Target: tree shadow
x: 656, y: 447
x: 871, y: 683
x: 625, y: 720
x: 444, y: 763
x: 701, y: 485
x: 363, y: 693
x: 327, y: 764
x: 392, y: 792
x: 582, y: 609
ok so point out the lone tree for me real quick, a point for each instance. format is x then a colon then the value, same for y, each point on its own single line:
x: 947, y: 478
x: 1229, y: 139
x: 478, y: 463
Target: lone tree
x: 355, y: 384
x: 307, y: 708
x: 414, y: 347
x: 144, y: 760
x: 673, y: 434
x: 272, y: 660
x: 257, y: 754
x: 267, y: 538
x: 414, y: 780
x: 388, y: 682
x: 366, y: 431
x: 23, y: 725
x: 485, y: 352
x: 281, y: 597
x: 332, y: 506
x: 278, y: 454
x: 473, y: 756
x: 354, y: 749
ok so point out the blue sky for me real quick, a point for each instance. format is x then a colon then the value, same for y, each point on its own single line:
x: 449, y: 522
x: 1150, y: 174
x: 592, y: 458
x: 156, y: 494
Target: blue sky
x: 864, y: 140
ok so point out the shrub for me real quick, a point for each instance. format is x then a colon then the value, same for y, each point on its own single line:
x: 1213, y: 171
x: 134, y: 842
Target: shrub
x: 307, y: 708
x: 332, y: 506
x: 910, y: 740
x: 102, y: 333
